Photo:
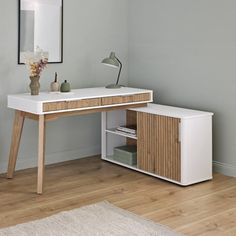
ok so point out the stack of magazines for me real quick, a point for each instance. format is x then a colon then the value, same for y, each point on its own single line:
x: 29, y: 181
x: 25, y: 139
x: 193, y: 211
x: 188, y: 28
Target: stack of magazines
x: 131, y: 130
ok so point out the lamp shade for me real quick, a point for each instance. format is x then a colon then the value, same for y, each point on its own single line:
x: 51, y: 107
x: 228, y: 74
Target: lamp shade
x: 111, y: 61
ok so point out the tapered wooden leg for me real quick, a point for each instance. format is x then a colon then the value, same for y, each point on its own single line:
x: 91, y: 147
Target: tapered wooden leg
x: 41, y: 153
x: 15, y: 142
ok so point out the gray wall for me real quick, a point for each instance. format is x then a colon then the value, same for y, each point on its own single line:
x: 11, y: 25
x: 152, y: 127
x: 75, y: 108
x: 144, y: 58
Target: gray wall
x: 91, y: 30
x: 186, y: 51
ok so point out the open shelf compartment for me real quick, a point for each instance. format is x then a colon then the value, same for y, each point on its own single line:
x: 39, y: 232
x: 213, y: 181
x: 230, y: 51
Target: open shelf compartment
x: 113, y: 138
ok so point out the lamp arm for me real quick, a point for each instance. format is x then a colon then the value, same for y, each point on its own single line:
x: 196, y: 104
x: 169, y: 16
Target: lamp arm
x: 118, y: 78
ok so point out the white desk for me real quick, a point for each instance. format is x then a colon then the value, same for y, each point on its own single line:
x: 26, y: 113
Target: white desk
x: 50, y: 106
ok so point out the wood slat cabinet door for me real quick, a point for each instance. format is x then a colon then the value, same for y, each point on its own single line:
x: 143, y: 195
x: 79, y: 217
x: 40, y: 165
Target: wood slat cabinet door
x: 158, y: 145
x: 146, y: 148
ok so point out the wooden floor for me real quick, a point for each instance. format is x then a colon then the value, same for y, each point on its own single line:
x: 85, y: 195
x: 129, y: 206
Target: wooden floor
x: 204, y: 209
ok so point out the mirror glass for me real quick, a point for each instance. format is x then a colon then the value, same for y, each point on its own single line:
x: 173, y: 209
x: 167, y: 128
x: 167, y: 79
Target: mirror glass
x: 40, y: 26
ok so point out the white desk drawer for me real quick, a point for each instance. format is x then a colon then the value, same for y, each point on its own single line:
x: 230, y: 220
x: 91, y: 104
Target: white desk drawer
x: 65, y: 105
x: 143, y: 97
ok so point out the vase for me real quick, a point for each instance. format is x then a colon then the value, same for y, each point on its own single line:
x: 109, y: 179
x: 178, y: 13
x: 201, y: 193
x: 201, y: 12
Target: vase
x: 65, y: 87
x: 34, y: 85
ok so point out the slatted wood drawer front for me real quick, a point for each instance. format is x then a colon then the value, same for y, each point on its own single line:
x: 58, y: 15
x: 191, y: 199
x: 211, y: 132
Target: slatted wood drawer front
x: 65, y: 105
x: 159, y: 146
x: 126, y: 99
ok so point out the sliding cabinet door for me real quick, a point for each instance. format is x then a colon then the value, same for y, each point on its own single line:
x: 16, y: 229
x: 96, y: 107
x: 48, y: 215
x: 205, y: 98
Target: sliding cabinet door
x: 131, y: 119
x: 167, y: 159
x: 158, y: 145
x: 146, y: 144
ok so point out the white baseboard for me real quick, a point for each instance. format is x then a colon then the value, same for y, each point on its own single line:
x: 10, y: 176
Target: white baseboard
x: 224, y: 168
x: 25, y: 163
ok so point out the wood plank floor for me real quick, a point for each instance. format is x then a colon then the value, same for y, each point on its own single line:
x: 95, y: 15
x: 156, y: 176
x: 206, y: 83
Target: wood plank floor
x: 208, y: 208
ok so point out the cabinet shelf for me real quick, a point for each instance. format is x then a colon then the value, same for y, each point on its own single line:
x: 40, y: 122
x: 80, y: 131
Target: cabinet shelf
x: 120, y: 133
x: 135, y: 168
x: 111, y: 159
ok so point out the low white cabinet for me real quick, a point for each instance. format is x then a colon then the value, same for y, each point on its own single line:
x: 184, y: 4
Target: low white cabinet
x: 173, y: 143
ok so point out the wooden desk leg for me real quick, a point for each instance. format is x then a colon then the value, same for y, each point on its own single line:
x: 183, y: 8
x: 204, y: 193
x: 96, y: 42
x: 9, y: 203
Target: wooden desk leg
x: 15, y: 142
x: 41, y: 153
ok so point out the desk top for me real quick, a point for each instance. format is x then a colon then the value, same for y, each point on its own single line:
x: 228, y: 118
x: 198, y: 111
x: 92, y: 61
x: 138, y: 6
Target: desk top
x: 34, y: 104
x: 76, y: 94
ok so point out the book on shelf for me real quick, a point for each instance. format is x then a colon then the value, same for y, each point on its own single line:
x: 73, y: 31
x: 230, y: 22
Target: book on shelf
x: 131, y: 129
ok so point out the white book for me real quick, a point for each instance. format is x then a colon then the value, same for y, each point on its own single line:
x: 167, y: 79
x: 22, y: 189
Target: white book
x: 125, y: 133
x: 127, y: 129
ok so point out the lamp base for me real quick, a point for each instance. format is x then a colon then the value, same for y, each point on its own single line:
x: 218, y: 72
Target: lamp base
x: 113, y: 86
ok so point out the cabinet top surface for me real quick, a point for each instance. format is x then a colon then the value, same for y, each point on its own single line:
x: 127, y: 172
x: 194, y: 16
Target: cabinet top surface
x: 170, y: 111
x: 75, y: 94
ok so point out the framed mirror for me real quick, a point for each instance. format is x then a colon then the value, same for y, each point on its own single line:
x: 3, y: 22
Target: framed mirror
x: 41, y: 26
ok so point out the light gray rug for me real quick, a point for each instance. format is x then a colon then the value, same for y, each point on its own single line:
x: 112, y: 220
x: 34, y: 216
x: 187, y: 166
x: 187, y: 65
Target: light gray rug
x: 99, y: 219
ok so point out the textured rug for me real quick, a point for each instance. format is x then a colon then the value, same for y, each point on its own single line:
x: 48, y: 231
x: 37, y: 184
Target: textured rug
x: 99, y: 219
